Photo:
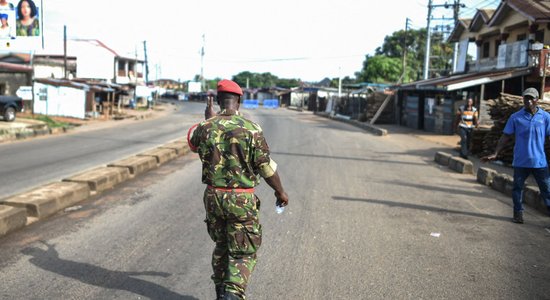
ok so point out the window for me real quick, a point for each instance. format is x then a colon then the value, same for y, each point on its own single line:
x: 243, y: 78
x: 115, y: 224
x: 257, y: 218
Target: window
x: 497, y: 43
x: 522, y: 37
x: 121, y: 68
x: 539, y: 36
x: 485, y: 50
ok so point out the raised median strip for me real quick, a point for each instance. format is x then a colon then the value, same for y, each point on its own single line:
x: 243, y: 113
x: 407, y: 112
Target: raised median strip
x: 11, y: 219
x: 101, y: 178
x: 49, y: 199
x: 41, y: 202
x: 136, y: 164
x: 180, y: 147
x: 161, y: 154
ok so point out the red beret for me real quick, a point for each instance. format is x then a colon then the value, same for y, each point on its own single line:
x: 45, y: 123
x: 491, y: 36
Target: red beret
x: 229, y: 86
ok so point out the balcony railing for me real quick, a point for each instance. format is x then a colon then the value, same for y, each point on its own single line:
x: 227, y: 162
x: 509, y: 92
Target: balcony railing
x: 540, y: 60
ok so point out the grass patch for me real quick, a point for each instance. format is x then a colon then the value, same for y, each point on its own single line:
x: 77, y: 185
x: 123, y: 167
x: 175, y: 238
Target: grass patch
x: 51, y: 122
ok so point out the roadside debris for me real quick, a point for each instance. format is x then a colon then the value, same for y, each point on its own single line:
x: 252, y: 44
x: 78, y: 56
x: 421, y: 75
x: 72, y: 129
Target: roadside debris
x: 73, y: 208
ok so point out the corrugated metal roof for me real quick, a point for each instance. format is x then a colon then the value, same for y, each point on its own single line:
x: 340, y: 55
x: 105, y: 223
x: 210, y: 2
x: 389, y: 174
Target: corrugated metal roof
x: 461, y: 81
x: 4, y: 66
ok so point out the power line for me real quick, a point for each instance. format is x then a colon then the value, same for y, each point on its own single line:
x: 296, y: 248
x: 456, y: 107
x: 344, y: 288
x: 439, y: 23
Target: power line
x: 284, y: 59
x: 482, y: 4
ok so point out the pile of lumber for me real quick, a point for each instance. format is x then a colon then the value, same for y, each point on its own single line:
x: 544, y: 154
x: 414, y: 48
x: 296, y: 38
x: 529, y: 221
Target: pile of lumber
x: 484, y: 140
x: 374, y: 102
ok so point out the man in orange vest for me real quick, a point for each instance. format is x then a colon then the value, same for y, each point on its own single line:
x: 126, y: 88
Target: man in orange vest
x: 467, y: 119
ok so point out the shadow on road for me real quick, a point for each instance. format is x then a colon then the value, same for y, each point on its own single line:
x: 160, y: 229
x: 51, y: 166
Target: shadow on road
x: 422, y: 207
x: 348, y: 158
x: 86, y: 273
x: 434, y: 188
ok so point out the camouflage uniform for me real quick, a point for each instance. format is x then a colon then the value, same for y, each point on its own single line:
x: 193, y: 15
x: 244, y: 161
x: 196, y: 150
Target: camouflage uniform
x: 234, y: 155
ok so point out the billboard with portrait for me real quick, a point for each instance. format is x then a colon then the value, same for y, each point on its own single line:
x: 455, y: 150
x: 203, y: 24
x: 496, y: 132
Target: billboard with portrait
x: 21, y: 24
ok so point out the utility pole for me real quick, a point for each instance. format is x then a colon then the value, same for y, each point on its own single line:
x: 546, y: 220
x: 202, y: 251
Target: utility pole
x: 65, y: 51
x: 203, y: 88
x: 456, y: 9
x: 428, y: 39
x: 404, y: 63
x: 146, y: 63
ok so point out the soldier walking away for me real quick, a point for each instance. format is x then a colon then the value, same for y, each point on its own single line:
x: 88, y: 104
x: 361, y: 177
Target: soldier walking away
x: 467, y: 119
x: 531, y: 127
x: 234, y: 155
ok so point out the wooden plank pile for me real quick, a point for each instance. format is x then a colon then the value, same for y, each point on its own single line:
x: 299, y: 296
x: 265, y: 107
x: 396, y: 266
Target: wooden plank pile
x: 374, y: 102
x: 484, y: 140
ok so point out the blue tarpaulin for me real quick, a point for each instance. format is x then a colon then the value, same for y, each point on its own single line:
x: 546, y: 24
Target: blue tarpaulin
x: 271, y: 103
x: 250, y: 103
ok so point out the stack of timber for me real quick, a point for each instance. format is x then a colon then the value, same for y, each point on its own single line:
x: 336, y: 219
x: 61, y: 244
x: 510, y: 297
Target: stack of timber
x: 500, y: 110
x: 374, y: 102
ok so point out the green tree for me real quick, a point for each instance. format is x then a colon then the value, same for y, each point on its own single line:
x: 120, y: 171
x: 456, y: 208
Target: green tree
x: 263, y: 80
x: 288, y: 83
x: 380, y: 69
x: 392, y: 50
x: 345, y: 80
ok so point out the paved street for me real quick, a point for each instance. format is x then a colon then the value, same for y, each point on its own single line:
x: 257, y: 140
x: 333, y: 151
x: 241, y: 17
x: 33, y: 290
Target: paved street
x: 369, y: 218
x: 42, y: 160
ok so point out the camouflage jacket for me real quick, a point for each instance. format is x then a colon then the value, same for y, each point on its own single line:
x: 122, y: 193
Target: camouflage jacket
x: 233, y: 151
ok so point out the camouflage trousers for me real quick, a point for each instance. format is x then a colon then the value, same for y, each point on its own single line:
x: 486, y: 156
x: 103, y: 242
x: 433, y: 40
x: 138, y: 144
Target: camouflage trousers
x: 233, y: 224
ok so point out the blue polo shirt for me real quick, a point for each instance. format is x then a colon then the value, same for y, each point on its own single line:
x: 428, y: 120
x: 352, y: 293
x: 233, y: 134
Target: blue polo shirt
x: 531, y: 132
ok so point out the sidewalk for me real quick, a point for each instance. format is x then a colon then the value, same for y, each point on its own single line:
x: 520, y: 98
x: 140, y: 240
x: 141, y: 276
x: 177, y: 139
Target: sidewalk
x: 24, y: 127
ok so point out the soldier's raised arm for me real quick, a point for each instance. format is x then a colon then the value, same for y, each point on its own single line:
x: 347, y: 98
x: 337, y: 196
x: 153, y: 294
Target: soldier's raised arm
x: 209, y: 111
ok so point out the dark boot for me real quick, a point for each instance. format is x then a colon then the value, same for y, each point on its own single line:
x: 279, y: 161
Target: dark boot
x: 518, y: 217
x: 220, y: 289
x: 230, y: 296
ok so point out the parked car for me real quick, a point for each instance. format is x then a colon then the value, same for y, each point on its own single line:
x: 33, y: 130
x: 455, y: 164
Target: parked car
x: 10, y: 106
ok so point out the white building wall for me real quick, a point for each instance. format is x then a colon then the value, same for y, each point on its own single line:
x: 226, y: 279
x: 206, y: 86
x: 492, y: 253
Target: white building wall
x: 59, y: 101
x: 48, y: 71
x: 93, y: 61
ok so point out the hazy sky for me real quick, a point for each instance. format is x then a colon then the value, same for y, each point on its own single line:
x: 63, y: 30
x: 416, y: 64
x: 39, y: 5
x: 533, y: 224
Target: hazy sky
x: 304, y: 39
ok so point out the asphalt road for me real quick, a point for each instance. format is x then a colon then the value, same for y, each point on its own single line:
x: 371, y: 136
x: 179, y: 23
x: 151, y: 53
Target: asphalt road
x: 30, y: 163
x: 369, y: 218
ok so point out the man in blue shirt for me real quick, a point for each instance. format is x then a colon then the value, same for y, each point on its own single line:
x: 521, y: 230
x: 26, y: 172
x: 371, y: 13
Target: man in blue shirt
x: 531, y: 128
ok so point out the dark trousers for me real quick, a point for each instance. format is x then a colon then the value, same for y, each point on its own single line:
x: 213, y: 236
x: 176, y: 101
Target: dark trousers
x: 465, y: 137
x: 542, y: 177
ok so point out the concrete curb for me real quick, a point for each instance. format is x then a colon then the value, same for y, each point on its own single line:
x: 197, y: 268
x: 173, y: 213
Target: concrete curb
x: 41, y: 202
x: 180, y: 147
x: 461, y: 165
x: 503, y: 183
x: 49, y: 199
x: 30, y: 132
x: 11, y: 219
x: 162, y: 155
x: 102, y: 178
x: 442, y: 158
x: 363, y: 125
x: 136, y: 165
